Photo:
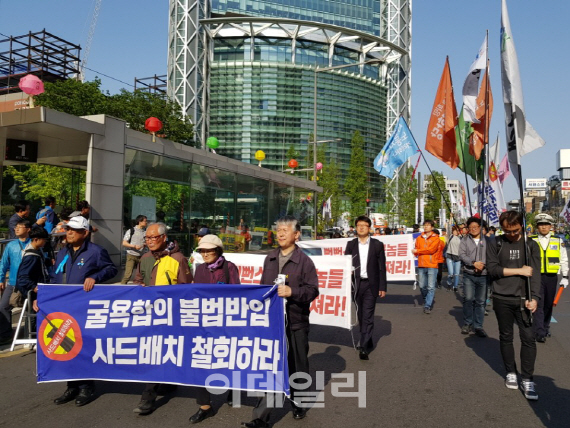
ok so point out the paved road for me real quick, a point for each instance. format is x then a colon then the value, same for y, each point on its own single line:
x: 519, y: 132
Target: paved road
x: 423, y: 373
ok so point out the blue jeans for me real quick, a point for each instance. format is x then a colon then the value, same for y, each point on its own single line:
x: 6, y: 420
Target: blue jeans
x: 453, y: 272
x: 427, y: 277
x: 474, y: 293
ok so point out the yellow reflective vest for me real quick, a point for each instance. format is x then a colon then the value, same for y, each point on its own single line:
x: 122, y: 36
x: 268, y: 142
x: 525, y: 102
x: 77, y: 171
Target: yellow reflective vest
x: 549, y: 259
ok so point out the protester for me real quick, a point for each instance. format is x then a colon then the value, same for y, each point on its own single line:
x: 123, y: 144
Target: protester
x: 300, y: 289
x: 426, y: 247
x: 376, y: 232
x: 196, y: 258
x: 215, y: 270
x: 368, y: 279
x: 22, y: 212
x: 473, y: 254
x: 33, y: 269
x: 439, y: 257
x: 81, y: 262
x: 164, y: 264
x: 415, y: 228
x: 351, y: 233
x: 507, y: 266
x: 453, y: 260
x: 11, y: 259
x: 49, y: 214
x: 554, y: 261
x: 134, y: 241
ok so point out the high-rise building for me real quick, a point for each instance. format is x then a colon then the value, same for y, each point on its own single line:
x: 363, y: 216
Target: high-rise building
x: 247, y: 72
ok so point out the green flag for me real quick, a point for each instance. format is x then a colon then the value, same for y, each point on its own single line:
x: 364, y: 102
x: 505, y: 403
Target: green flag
x: 467, y: 162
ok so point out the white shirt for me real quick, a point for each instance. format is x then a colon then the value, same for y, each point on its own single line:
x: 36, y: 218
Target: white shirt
x: 363, y: 253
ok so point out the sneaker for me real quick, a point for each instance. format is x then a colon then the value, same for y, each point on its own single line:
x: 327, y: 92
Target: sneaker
x: 427, y: 310
x: 511, y: 381
x: 541, y: 339
x: 479, y: 332
x: 145, y: 407
x: 527, y: 387
x: 455, y: 289
x: 466, y: 329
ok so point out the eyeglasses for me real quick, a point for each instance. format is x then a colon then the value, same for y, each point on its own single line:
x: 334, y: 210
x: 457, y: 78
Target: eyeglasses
x: 152, y: 238
x: 20, y: 226
x: 207, y: 251
x: 512, y: 232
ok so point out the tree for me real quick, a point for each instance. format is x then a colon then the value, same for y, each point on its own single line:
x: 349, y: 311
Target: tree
x: 39, y: 181
x: 136, y: 107
x: 355, y: 185
x: 74, y: 97
x: 432, y: 195
x: 328, y: 179
x: 292, y: 153
x: 406, y: 191
x: 86, y: 98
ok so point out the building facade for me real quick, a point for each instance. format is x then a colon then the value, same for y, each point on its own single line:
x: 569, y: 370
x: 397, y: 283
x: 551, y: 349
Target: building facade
x: 245, y: 72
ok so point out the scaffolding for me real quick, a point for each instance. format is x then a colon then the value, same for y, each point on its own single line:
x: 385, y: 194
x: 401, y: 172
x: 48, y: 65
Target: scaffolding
x: 153, y: 85
x: 48, y: 57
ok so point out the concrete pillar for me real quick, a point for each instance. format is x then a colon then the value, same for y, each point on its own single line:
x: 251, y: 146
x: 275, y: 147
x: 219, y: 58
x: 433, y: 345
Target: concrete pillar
x: 104, y: 186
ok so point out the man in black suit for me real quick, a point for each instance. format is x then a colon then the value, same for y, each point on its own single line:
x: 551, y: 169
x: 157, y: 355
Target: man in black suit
x: 368, y: 279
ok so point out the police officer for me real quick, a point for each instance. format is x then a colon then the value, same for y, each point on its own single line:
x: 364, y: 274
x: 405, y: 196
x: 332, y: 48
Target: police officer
x: 554, y: 260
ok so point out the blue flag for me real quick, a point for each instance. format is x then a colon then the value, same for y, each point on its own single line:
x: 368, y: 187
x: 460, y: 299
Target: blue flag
x: 396, y: 151
x: 217, y: 335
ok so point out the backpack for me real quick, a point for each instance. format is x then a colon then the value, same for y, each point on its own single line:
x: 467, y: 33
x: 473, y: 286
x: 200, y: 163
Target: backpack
x: 131, y: 231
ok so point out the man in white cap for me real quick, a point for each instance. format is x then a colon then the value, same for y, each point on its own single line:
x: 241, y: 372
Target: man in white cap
x: 553, y: 261
x: 81, y: 262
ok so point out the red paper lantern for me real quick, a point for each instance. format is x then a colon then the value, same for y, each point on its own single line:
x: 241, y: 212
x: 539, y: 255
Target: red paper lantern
x: 152, y: 124
x: 293, y: 164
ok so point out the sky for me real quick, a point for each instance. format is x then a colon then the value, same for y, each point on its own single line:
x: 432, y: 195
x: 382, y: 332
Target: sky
x: 131, y: 40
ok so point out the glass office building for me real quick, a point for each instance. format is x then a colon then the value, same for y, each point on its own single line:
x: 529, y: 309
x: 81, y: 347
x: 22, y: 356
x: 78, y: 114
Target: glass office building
x: 254, y: 76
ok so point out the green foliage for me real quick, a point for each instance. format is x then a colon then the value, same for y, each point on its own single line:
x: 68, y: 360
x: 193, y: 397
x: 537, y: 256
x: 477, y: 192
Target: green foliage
x: 292, y: 153
x: 403, y: 193
x: 356, y: 185
x: 136, y: 107
x: 74, y: 97
x: 82, y: 99
x: 432, y: 196
x: 328, y: 179
x: 39, y: 181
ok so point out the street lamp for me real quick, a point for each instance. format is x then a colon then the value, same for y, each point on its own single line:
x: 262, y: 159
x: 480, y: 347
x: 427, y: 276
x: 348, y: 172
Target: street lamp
x: 317, y: 71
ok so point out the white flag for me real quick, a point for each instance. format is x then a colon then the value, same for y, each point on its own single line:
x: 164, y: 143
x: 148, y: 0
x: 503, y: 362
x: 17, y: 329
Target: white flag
x: 327, y: 213
x: 493, y: 177
x: 471, y: 85
x: 521, y: 137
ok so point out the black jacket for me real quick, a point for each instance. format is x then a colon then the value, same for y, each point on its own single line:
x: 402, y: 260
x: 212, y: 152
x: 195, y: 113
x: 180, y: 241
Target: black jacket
x: 303, y: 280
x: 375, y: 265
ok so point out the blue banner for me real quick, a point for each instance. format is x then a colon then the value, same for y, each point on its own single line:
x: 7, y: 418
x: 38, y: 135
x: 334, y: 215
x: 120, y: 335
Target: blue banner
x: 396, y: 151
x: 217, y: 335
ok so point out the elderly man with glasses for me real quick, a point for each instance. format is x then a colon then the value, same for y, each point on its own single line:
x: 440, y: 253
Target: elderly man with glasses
x: 164, y: 264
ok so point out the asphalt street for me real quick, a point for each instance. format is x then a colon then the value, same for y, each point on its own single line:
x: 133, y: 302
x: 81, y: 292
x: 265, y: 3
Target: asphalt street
x: 422, y: 373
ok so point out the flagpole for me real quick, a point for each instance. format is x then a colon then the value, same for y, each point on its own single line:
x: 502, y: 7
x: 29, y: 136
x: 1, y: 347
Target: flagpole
x: 466, y: 179
x: 435, y: 181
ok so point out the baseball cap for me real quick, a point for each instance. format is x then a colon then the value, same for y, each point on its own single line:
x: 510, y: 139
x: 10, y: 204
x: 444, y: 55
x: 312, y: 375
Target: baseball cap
x: 209, y: 242
x: 204, y: 231
x: 77, y: 223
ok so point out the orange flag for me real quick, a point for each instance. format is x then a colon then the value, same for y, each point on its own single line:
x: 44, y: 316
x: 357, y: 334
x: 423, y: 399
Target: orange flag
x: 480, y: 134
x: 440, y: 140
